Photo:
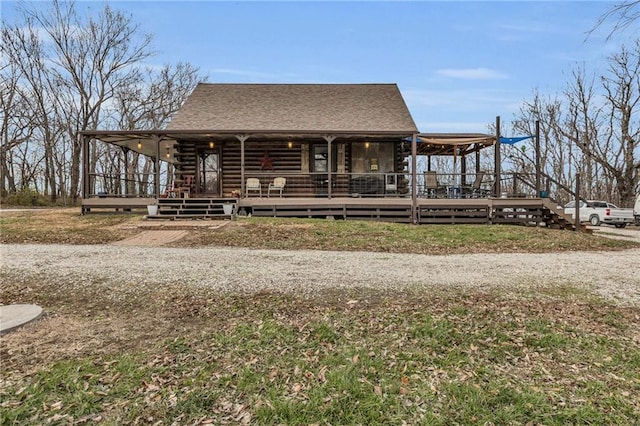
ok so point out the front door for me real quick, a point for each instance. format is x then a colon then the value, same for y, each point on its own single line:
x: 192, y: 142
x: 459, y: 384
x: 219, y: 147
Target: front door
x: 209, y: 173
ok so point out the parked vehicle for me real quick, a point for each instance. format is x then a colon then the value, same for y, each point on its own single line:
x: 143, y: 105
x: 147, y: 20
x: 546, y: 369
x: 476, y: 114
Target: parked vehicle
x: 636, y: 210
x: 596, y: 212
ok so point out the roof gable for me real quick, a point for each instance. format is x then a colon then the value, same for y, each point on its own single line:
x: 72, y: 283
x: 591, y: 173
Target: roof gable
x: 295, y: 108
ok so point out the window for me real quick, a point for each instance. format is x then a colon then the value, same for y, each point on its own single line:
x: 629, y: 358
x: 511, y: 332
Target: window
x: 572, y: 204
x: 320, y: 158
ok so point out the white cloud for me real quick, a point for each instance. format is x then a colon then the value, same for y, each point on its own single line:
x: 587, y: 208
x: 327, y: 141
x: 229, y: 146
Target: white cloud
x: 458, y: 99
x: 472, y: 73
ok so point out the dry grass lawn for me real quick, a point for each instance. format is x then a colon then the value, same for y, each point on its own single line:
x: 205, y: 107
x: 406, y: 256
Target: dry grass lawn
x: 177, y: 355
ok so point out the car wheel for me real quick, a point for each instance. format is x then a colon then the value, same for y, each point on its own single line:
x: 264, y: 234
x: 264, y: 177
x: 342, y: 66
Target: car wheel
x: 621, y: 225
x: 594, y: 220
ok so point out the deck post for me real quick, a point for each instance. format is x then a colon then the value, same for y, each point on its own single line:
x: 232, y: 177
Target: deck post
x: 414, y: 186
x: 497, y: 161
x: 538, y: 188
x: 156, y: 167
x: 463, y: 171
x: 329, y: 139
x: 577, y: 208
x: 127, y: 169
x: 85, y: 167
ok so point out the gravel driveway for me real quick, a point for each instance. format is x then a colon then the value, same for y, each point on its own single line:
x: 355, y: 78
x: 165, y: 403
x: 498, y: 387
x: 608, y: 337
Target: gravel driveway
x: 613, y: 275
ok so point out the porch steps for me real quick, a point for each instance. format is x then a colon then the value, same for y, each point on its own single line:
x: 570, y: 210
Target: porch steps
x: 194, y: 208
x: 556, y: 219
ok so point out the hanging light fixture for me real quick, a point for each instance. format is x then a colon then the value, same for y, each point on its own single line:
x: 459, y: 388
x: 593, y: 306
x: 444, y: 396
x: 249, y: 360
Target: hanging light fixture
x: 212, y: 144
x: 290, y: 144
x: 168, y: 153
x: 139, y: 144
x: 367, y: 145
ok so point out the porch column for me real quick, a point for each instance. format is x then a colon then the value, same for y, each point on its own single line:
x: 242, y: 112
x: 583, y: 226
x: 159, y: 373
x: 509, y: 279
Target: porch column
x: 497, y: 167
x: 156, y: 166
x: 127, y: 169
x: 463, y: 170
x: 85, y: 167
x: 538, y: 189
x: 477, y: 158
x: 414, y: 184
x: 329, y: 139
x: 576, y: 217
x: 242, y: 139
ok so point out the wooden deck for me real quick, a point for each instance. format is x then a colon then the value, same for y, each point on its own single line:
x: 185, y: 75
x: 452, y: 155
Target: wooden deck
x: 117, y: 203
x: 527, y: 211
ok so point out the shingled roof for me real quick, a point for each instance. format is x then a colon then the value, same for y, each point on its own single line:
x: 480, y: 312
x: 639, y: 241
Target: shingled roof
x: 295, y: 108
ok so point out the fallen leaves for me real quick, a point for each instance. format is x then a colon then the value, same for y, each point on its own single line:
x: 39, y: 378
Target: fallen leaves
x: 257, y: 355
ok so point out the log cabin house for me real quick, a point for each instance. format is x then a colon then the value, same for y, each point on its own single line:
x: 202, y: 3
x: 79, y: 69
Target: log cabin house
x: 309, y: 134
x: 303, y: 150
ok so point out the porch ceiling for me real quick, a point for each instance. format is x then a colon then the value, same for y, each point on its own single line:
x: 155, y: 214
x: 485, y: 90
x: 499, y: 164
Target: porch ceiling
x: 140, y: 142
x: 144, y: 142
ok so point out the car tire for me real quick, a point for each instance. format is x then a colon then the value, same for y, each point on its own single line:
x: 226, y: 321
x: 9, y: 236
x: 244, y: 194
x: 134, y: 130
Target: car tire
x: 621, y: 225
x: 594, y: 220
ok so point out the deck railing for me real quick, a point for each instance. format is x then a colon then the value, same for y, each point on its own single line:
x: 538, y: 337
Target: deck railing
x: 316, y: 184
x: 371, y: 185
x: 120, y: 185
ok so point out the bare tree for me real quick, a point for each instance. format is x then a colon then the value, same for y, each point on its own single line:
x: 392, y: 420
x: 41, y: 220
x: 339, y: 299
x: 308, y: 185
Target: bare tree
x: 583, y: 126
x: 594, y: 129
x: 150, y: 105
x: 147, y: 105
x: 26, y: 51
x: 16, y: 121
x: 622, y: 88
x: 63, y: 72
x: 93, y: 58
x: 623, y: 14
x: 559, y: 156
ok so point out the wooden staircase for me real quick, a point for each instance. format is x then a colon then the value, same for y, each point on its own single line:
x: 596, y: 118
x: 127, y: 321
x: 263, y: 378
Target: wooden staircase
x: 556, y: 219
x: 195, y: 208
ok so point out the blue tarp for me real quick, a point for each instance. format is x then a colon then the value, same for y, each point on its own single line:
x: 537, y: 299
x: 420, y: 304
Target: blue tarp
x: 511, y: 141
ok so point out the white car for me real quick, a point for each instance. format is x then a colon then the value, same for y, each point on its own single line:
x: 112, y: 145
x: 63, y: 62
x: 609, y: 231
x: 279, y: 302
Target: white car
x: 596, y: 212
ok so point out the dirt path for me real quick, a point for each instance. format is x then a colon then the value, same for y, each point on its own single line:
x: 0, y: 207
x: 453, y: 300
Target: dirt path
x: 630, y: 233
x: 153, y: 238
x: 613, y: 275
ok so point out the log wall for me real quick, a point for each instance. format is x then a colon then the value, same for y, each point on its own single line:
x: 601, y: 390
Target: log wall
x: 292, y: 163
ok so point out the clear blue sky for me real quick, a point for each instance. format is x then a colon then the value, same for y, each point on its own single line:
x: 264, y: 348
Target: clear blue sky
x: 458, y: 64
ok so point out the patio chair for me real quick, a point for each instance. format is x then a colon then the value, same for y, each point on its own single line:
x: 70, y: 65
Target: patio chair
x: 390, y: 183
x: 432, y: 189
x: 253, y: 184
x: 169, y: 192
x: 184, y: 189
x: 476, y: 190
x: 277, y: 185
